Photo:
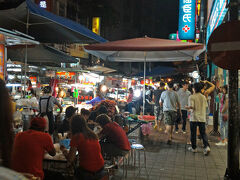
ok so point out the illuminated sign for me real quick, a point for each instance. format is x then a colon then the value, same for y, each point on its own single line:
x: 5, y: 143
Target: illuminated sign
x: 96, y: 25
x: 65, y: 75
x: 147, y: 82
x: 43, y: 4
x: 198, y: 7
x: 186, y: 24
x: 2, y: 61
x: 218, y: 13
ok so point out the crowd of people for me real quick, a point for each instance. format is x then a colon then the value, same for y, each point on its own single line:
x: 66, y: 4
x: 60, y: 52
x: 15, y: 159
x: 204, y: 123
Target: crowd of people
x: 96, y: 135
x: 175, y: 105
x: 22, y: 154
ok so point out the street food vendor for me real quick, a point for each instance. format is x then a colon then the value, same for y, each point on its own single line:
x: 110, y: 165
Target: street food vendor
x: 46, y: 104
x: 29, y: 85
x: 99, y: 97
x: 29, y: 148
x: 85, y: 141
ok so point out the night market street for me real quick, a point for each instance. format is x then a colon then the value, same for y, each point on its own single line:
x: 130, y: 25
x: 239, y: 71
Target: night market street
x: 119, y: 89
x: 175, y: 162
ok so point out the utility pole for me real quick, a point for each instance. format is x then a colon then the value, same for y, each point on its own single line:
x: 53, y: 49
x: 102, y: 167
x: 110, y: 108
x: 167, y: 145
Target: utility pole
x: 232, y: 171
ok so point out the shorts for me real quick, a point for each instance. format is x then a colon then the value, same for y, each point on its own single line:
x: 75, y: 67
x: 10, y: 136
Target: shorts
x: 158, y: 113
x: 170, y: 117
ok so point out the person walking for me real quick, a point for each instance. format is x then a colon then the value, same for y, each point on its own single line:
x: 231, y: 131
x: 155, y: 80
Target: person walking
x: 183, y: 95
x: 197, y: 104
x: 158, y: 111
x: 170, y: 102
x: 223, y: 116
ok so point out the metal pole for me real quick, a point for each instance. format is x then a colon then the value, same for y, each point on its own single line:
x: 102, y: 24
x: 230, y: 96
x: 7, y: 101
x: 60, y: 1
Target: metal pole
x: 144, y: 78
x: 25, y: 70
x: 26, y: 55
x: 232, y: 171
x: 76, y: 97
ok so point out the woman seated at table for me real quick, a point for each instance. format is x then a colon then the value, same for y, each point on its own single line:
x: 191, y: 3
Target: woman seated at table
x: 29, y: 148
x: 64, y: 127
x: 115, y: 139
x: 85, y: 113
x: 85, y: 141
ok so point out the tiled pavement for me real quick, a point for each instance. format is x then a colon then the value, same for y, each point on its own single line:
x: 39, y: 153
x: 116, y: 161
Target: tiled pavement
x: 175, y: 162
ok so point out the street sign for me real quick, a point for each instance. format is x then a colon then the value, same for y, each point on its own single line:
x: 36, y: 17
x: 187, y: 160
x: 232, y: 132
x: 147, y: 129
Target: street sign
x: 224, y: 46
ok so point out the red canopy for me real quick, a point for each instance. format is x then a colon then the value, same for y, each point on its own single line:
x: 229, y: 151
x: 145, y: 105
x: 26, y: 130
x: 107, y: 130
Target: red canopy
x: 144, y: 44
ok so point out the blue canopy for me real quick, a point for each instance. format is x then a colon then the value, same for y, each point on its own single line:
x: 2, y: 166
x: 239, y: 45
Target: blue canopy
x: 40, y: 54
x: 159, y: 71
x: 46, y: 27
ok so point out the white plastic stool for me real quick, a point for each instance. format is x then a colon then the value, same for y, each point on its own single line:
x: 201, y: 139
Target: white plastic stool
x: 136, y: 149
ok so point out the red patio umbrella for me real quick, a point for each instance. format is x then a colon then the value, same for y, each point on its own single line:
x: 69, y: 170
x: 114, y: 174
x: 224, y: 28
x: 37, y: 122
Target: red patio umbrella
x: 145, y: 50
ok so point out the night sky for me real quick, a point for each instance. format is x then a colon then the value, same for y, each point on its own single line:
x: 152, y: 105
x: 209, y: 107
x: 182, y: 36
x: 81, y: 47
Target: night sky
x: 163, y: 14
x: 156, y: 18
x: 123, y: 19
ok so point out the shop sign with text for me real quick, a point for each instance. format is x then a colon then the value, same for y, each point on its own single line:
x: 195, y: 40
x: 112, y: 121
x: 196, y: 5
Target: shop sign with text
x: 186, y: 24
x: 96, y: 25
x: 217, y: 15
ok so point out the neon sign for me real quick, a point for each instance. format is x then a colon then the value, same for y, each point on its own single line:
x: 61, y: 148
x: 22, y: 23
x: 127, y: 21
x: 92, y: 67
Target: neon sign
x: 218, y: 13
x: 186, y: 24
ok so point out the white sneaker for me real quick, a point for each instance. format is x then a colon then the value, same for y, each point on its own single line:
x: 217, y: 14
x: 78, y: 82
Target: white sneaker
x: 206, y: 151
x: 192, y: 150
x: 220, y: 143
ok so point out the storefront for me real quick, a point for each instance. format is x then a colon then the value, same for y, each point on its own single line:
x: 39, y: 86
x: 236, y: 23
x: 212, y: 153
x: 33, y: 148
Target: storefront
x: 216, y: 17
x: 10, y: 39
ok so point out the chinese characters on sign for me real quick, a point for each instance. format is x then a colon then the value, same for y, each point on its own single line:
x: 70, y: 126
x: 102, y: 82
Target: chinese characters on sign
x: 186, y: 24
x: 96, y: 25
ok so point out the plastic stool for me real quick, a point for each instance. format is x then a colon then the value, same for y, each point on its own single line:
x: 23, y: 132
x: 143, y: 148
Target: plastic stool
x: 137, y: 148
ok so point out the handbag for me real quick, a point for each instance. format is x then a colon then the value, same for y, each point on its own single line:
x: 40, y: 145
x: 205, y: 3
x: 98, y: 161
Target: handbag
x: 225, y: 117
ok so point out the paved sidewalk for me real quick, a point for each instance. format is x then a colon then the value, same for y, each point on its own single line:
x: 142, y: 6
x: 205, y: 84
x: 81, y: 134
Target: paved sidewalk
x: 175, y: 162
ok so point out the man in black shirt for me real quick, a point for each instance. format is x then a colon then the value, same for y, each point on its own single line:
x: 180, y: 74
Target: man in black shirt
x: 158, y: 112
